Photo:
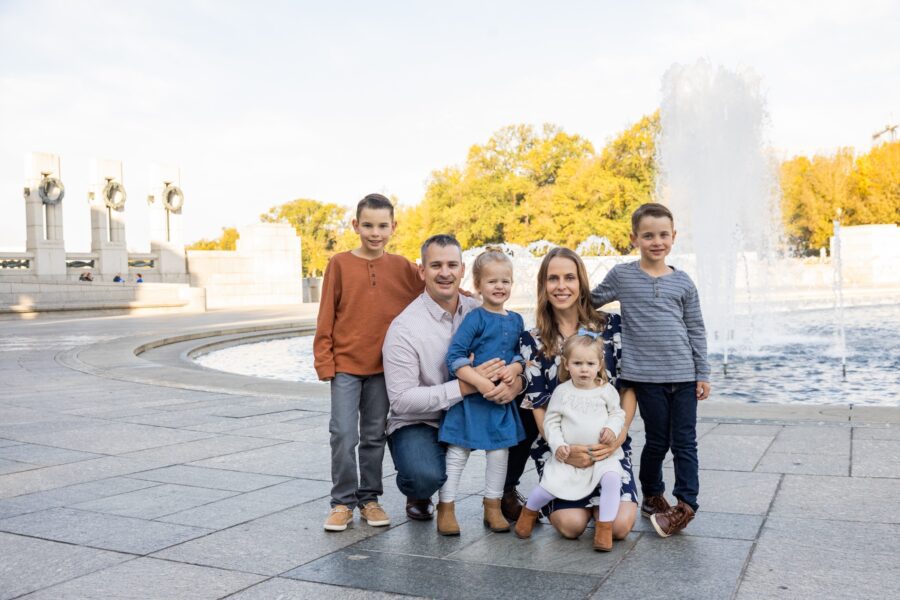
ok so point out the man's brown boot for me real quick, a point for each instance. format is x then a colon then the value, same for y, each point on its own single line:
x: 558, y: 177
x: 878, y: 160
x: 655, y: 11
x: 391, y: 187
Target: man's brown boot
x: 673, y: 520
x: 525, y: 524
x: 602, y: 536
x: 511, y: 504
x: 446, y: 519
x: 654, y: 504
x: 493, y: 518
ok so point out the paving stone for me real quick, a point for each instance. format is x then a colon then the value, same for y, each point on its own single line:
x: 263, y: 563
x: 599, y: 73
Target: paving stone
x: 876, y: 458
x: 804, y: 464
x: 251, y: 505
x: 712, y: 524
x: 808, y: 558
x: 306, y: 430
x: 110, y: 437
x: 57, y: 476
x: 154, y: 502
x: 151, y: 578
x: 733, y: 491
x: 14, y: 466
x: 219, y: 445
x: 440, y: 578
x: 109, y: 532
x: 732, y: 453
x: 696, y: 567
x: 45, y: 456
x: 30, y: 564
x: 291, y: 589
x: 293, y: 459
x: 210, y: 478
x: 805, y: 439
x: 854, y: 498
x: 7, y: 443
x: 746, y: 429
x: 272, y: 544
x: 876, y: 433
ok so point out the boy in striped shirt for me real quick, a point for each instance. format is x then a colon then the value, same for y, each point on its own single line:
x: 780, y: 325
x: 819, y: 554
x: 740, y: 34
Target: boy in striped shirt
x: 664, y: 360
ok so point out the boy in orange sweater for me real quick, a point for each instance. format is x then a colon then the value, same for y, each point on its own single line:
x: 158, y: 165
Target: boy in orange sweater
x: 363, y: 290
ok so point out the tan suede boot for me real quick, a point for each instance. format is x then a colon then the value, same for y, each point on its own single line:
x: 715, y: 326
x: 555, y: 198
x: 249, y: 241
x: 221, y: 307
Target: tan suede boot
x: 603, y: 540
x: 493, y: 516
x: 525, y: 524
x: 446, y: 519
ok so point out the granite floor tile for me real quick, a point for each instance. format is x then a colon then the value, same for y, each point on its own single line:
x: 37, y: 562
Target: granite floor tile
x: 151, y: 578
x: 812, y: 439
x: 712, y: 524
x: 69, y: 495
x: 109, y: 437
x: 440, y: 578
x: 734, y: 491
x: 291, y: 589
x: 109, y: 532
x: 57, y: 476
x: 732, y: 453
x: 219, y: 445
x: 848, y: 560
x: 220, y: 479
x: 694, y: 567
x: 889, y: 432
x: 876, y: 458
x: 805, y: 464
x: 30, y: 564
x: 45, y: 456
x: 746, y: 429
x: 853, y: 498
x: 156, y: 501
x: 13, y: 466
x: 251, y: 505
x: 293, y: 459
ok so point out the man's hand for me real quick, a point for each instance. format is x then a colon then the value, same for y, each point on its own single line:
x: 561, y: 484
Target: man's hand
x: 607, y: 436
x: 501, y: 394
x: 703, y: 390
x: 562, y: 453
x: 490, y: 369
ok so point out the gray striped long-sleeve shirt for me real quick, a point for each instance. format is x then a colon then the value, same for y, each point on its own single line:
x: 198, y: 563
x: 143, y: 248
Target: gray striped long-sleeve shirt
x: 663, y: 337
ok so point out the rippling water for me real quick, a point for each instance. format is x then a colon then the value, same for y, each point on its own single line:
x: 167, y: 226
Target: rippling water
x: 796, y: 361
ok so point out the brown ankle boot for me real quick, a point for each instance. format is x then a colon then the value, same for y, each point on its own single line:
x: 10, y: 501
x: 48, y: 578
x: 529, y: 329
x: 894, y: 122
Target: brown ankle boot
x: 525, y: 524
x: 446, y: 519
x: 493, y: 518
x: 603, y: 540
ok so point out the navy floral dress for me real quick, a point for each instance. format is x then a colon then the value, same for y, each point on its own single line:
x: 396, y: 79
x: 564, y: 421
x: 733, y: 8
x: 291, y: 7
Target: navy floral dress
x: 542, y: 375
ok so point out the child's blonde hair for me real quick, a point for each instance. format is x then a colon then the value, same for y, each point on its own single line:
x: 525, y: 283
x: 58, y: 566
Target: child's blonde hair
x: 583, y: 339
x: 490, y: 254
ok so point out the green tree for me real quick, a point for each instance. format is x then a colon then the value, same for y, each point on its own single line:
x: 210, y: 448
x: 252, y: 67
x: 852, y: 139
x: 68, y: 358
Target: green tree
x: 226, y: 241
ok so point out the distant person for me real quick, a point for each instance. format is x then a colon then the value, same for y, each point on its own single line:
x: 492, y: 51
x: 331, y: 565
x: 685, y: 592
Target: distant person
x: 139, y: 278
x: 584, y: 409
x: 363, y: 290
x: 118, y: 278
x: 487, y: 332
x: 664, y: 360
x: 86, y: 276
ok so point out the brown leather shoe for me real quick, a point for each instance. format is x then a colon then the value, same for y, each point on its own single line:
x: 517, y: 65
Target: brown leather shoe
x: 446, y: 519
x: 511, y: 504
x: 654, y: 504
x: 525, y: 524
x: 673, y: 520
x: 493, y: 518
x: 419, y: 510
x: 603, y: 539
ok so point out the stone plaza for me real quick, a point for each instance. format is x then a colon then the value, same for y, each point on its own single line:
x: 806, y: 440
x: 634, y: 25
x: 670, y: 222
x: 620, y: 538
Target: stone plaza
x: 127, y: 471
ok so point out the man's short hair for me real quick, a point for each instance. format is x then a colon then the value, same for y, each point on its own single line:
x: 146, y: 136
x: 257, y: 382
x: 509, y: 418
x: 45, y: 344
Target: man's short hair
x: 443, y: 240
x: 650, y: 209
x: 374, y: 201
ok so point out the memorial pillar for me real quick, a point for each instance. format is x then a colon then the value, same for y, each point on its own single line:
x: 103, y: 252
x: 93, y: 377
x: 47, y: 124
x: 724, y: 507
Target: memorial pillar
x: 166, y: 228
x: 107, y: 198
x: 43, y: 194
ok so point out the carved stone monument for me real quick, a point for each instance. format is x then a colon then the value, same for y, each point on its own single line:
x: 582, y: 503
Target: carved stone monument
x: 166, y: 228
x: 44, y: 193
x: 107, y: 197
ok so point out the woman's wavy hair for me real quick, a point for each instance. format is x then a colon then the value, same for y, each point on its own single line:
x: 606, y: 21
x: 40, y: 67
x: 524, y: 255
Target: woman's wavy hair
x: 548, y: 330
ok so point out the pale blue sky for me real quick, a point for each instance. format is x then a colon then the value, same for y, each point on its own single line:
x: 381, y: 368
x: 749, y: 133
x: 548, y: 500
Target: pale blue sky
x: 262, y: 102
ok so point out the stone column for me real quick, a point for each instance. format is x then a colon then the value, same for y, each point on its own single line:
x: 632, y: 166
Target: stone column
x: 166, y: 228
x: 43, y: 216
x: 107, y: 197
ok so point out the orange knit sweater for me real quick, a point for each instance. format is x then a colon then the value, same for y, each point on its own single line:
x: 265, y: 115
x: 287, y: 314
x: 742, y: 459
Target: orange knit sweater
x: 360, y: 298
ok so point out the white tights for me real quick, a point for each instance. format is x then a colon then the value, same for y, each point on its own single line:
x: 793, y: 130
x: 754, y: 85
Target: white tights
x: 494, y: 473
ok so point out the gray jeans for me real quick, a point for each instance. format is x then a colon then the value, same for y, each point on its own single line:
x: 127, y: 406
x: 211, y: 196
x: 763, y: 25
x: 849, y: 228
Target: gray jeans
x: 359, y: 408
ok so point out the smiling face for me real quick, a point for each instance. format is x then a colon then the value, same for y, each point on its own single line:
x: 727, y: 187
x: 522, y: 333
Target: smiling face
x: 583, y: 364
x: 442, y: 269
x: 654, y: 238
x: 562, y: 284
x: 495, y: 284
x: 375, y: 227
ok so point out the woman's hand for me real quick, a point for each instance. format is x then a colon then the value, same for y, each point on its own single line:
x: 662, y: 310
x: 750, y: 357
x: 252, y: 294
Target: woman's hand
x: 584, y: 456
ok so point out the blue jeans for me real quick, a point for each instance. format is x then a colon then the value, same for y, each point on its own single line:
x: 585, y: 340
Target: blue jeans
x: 669, y: 411
x: 420, y: 460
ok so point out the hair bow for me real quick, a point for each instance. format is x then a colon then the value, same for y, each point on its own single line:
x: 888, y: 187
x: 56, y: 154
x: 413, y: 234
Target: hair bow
x: 591, y: 334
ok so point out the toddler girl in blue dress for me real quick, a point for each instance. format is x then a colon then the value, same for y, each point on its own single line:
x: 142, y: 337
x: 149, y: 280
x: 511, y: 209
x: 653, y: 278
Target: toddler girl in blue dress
x: 476, y: 423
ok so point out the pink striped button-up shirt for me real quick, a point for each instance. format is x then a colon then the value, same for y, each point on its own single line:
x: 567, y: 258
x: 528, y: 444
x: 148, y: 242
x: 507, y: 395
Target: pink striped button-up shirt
x: 415, y: 369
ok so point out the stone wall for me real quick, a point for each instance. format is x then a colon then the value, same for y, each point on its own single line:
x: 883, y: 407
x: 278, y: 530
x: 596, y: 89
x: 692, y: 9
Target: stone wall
x: 31, y: 296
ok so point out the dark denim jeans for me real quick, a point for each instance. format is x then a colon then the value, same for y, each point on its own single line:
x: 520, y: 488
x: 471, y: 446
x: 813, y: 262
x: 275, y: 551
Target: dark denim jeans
x: 420, y: 460
x: 669, y: 411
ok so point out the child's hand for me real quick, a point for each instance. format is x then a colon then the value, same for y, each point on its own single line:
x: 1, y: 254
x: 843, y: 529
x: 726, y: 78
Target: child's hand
x: 702, y: 390
x: 509, y: 373
x: 562, y: 453
x: 607, y: 436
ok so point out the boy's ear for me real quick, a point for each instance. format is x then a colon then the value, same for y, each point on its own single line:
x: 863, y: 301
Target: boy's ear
x: 355, y: 225
x: 674, y: 233
x: 633, y: 238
